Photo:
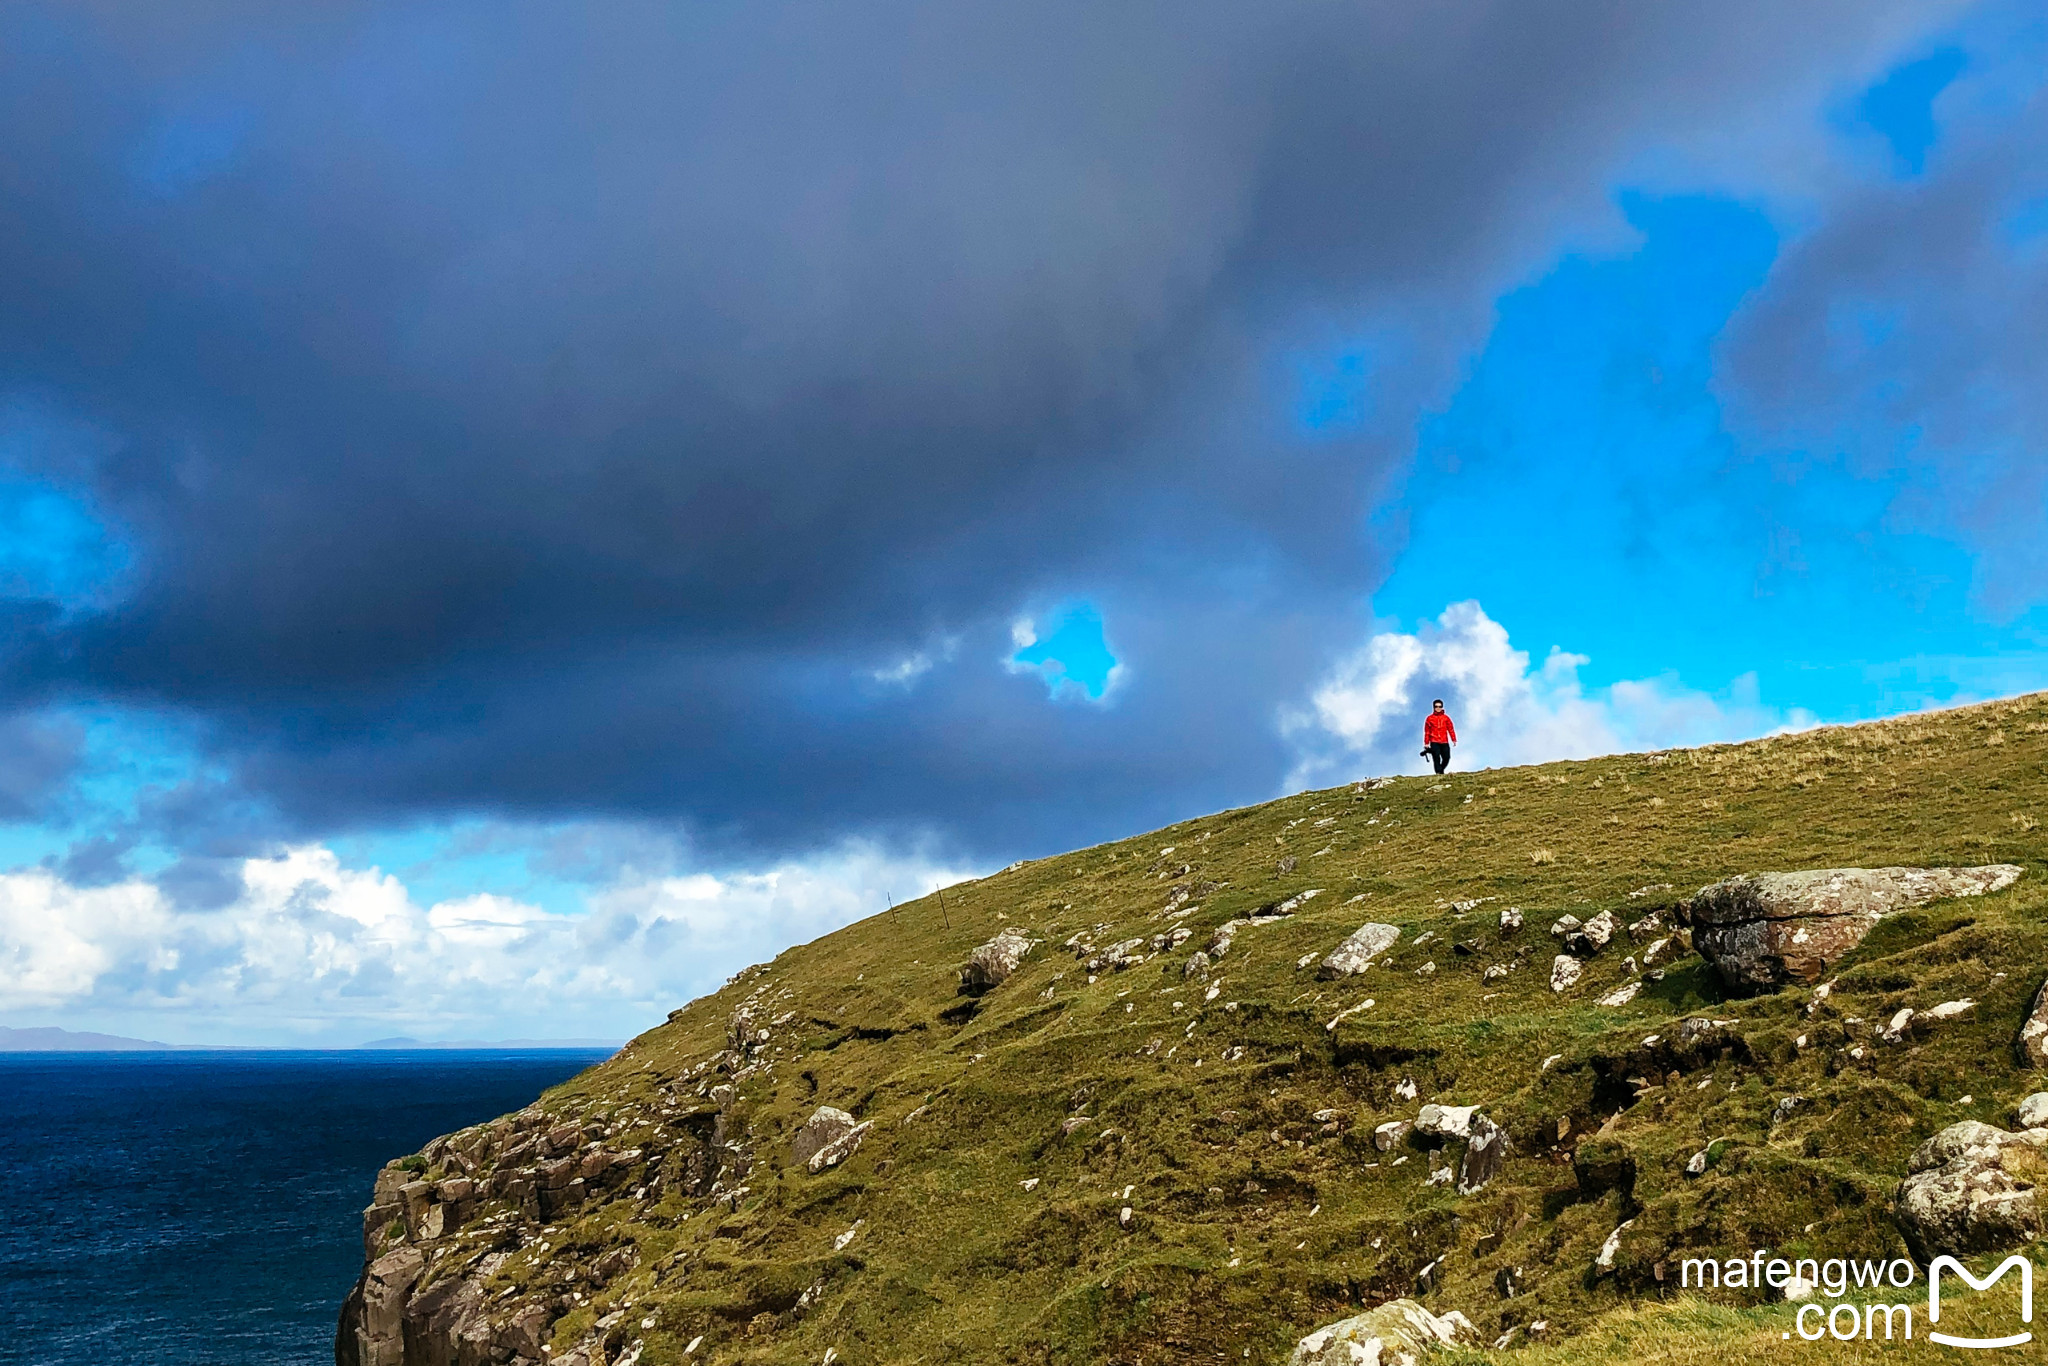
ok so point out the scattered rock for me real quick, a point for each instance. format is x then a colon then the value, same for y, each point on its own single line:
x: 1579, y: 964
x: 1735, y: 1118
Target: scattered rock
x: 1386, y: 1137
x: 1358, y: 950
x: 1948, y: 1010
x: 2034, y: 1111
x: 1405, y: 1088
x: 1621, y: 995
x: 1286, y: 865
x: 1425, y: 970
x: 1485, y: 1154
x: 2033, y: 1040
x: 991, y: 964
x: 1397, y: 1333
x: 1494, y: 973
x: 1785, y: 1108
x: 827, y: 1138
x: 1592, y: 936
x: 1764, y: 930
x: 1897, y: 1029
x: 1196, y: 967
x: 1971, y: 1189
x: 1564, y: 925
x: 1511, y: 920
x: 1564, y: 972
x: 1612, y: 1247
x: 1446, y: 1121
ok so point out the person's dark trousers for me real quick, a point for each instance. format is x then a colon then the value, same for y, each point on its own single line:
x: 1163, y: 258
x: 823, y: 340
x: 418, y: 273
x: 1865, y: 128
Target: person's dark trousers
x: 1440, y: 755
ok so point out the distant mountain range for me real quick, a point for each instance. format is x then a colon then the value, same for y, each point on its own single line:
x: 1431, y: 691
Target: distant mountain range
x: 51, y: 1040
x: 48, y: 1040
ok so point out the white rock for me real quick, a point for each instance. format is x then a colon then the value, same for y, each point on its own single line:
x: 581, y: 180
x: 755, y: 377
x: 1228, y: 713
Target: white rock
x: 1622, y: 995
x: 1386, y: 1136
x: 2034, y: 1111
x: 1511, y: 920
x: 1564, y: 971
x: 1564, y: 925
x: 1405, y: 1089
x: 1359, y: 949
x: 1446, y: 1121
x: 1612, y: 1246
x: 1901, y: 1022
x: 1397, y: 1333
x: 1948, y: 1010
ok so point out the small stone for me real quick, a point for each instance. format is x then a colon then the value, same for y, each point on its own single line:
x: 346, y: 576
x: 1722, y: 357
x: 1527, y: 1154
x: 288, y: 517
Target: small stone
x: 1612, y: 1247
x: 1425, y: 970
x: 1785, y: 1108
x: 1386, y: 1137
x: 1511, y: 920
x: 1124, y: 1216
x: 1495, y: 973
x: 2034, y: 1111
x: 1622, y: 995
x: 1948, y: 1010
x: 1901, y: 1022
x: 1405, y: 1088
x: 1287, y: 865
x: 1564, y: 925
x: 1564, y: 972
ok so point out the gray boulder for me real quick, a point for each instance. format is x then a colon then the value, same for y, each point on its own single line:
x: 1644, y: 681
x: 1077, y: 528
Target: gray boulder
x: 825, y: 1127
x: 1397, y: 1333
x: 991, y: 964
x: 1971, y: 1189
x: 1358, y: 950
x: 1764, y: 930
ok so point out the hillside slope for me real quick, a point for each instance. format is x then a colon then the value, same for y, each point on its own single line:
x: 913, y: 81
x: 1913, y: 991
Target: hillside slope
x: 1139, y: 1165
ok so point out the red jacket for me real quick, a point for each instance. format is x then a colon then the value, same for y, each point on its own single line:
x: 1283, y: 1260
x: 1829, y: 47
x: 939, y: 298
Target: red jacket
x: 1438, y: 730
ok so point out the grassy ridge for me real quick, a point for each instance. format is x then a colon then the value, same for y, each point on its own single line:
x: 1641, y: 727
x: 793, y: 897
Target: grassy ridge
x: 1255, y: 1214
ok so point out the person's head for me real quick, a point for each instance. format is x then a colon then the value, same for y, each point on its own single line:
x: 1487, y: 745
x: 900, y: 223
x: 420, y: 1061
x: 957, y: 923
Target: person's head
x: 1437, y: 705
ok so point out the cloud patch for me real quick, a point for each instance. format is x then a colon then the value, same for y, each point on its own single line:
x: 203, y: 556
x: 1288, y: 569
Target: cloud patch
x: 1366, y: 715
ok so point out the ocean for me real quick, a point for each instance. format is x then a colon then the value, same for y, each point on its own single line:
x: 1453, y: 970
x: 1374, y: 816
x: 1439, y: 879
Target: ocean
x: 204, y: 1209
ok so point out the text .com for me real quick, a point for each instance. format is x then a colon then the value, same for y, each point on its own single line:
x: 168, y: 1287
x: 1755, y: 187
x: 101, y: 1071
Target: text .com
x: 1867, y: 1318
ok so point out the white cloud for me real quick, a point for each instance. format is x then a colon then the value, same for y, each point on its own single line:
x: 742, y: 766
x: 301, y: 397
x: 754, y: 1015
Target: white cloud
x: 314, y: 951
x: 1366, y: 716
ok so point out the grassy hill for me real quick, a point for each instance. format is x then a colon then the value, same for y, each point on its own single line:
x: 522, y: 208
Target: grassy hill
x: 983, y: 1217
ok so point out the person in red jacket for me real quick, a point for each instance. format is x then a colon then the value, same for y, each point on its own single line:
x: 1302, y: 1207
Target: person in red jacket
x: 1438, y: 735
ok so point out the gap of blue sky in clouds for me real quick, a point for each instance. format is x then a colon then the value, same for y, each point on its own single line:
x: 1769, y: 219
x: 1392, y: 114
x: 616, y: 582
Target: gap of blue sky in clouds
x: 1069, y: 651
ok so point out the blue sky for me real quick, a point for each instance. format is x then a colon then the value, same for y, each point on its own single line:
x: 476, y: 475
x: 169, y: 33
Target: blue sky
x: 491, y: 545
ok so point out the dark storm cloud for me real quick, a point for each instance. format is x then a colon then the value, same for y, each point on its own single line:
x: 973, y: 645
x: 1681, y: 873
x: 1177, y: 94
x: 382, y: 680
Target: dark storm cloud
x: 1908, y: 334
x: 563, y: 410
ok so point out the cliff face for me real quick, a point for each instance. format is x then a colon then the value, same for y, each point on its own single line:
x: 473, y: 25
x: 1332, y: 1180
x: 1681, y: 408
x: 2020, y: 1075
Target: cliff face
x: 1192, y: 1096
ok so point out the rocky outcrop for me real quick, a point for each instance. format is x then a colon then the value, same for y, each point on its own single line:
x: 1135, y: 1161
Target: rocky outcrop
x: 1765, y: 930
x: 1972, y: 1189
x: 990, y: 965
x: 1358, y: 950
x: 1395, y: 1334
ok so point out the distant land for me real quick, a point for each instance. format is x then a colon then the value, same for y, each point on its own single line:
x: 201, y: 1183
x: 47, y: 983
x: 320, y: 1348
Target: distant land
x: 403, y: 1042
x: 47, y: 1039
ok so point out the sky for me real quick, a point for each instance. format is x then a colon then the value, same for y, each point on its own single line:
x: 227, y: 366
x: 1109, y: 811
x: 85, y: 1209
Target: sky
x: 509, y: 514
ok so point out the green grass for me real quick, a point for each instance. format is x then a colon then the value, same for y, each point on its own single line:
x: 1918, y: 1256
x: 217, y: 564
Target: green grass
x: 1253, y: 1222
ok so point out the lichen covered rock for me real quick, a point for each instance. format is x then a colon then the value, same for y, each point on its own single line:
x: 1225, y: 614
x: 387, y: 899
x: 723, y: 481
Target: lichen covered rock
x: 1765, y: 930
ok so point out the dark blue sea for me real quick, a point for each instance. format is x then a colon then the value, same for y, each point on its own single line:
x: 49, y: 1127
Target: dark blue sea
x: 204, y: 1209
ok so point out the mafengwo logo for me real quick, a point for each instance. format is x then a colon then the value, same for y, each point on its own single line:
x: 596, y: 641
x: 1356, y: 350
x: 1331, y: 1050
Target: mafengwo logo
x: 2012, y: 1263
x: 1812, y: 1283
